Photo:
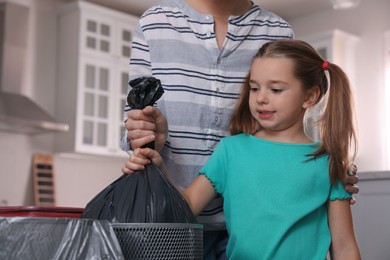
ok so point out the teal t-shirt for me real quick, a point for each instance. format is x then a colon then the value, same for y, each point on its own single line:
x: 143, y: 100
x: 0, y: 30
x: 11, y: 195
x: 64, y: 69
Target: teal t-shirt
x: 274, y: 200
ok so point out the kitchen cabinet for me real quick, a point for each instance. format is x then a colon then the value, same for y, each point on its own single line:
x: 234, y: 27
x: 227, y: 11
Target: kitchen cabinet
x: 337, y: 47
x: 93, y: 56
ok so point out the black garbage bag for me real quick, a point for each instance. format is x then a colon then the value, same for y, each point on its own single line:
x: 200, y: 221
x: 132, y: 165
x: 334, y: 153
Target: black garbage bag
x: 145, y: 92
x: 146, y: 196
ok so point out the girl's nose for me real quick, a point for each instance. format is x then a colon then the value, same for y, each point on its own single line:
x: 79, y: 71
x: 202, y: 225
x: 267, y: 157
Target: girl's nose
x: 261, y: 97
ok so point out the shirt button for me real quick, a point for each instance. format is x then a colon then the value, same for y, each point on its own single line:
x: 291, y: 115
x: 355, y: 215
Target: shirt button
x: 208, y: 34
x: 207, y: 18
x: 216, y: 119
x: 218, y: 61
x: 217, y: 90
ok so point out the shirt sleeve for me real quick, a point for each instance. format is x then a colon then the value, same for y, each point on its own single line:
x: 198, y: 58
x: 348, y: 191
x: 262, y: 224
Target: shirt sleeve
x: 140, y: 66
x: 215, y: 168
x: 338, y: 192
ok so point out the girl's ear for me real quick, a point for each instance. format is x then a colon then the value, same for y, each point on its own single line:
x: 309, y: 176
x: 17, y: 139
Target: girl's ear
x: 312, y: 96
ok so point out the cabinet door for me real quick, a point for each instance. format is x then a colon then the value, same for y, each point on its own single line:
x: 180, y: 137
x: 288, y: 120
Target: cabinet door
x: 118, y: 106
x: 124, y: 35
x: 107, y: 38
x: 95, y: 90
x: 94, y: 69
x: 97, y: 36
x: 107, y: 45
x: 101, y: 99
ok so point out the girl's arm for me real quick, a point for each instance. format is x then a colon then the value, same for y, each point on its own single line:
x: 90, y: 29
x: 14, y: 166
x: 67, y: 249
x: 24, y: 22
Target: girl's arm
x: 344, y: 244
x: 198, y: 195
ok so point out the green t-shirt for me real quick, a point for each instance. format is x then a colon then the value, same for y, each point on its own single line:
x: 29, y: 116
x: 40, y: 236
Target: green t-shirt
x: 274, y: 200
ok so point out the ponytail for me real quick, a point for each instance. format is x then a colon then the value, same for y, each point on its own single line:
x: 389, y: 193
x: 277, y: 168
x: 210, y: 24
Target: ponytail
x: 337, y: 132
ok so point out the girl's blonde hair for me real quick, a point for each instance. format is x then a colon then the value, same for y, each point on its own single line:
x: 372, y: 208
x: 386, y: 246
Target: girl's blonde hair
x: 337, y: 132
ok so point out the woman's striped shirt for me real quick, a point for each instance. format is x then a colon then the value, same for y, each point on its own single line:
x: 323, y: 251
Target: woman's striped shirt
x: 177, y: 45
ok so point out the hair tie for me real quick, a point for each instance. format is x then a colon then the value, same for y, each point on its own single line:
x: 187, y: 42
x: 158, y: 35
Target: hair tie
x: 325, y: 65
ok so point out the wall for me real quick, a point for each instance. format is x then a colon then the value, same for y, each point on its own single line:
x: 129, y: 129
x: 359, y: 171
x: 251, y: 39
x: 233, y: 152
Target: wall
x: 371, y: 216
x: 369, y: 22
x: 17, y: 150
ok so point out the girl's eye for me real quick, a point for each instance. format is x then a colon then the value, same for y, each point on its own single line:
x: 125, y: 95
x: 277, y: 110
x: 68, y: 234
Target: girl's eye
x: 253, y: 88
x: 276, y: 90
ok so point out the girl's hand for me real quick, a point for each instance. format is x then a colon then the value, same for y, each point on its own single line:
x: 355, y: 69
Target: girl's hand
x: 141, y: 157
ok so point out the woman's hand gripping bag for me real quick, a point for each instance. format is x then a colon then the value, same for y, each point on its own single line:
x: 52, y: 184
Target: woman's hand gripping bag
x: 145, y: 196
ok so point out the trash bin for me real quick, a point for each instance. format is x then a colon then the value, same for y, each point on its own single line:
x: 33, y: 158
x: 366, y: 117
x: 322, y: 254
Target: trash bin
x: 29, y: 232
x: 150, y: 241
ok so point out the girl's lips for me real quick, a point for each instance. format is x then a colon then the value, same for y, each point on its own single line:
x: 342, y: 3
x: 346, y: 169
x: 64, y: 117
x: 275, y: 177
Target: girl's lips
x: 265, y: 114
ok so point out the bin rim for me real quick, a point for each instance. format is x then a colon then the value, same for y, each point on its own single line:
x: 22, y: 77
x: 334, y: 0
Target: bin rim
x: 157, y: 225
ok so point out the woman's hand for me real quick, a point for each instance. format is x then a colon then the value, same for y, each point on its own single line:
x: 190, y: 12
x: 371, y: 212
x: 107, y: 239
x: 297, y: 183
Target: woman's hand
x: 146, y: 125
x: 350, y: 183
x: 142, y: 157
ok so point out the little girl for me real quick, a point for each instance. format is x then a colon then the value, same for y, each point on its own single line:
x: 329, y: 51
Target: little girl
x: 283, y: 193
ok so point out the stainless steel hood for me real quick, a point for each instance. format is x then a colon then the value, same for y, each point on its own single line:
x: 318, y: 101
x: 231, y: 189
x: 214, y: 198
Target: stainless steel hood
x: 18, y: 113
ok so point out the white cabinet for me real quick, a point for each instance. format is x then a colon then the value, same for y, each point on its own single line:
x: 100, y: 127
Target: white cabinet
x: 337, y: 47
x: 93, y: 56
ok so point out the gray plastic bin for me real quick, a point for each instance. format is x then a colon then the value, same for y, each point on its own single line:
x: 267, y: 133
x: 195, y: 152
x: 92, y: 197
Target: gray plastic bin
x: 57, y: 239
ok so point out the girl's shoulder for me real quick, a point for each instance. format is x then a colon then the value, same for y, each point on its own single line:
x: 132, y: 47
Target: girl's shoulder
x: 236, y: 137
x: 237, y: 140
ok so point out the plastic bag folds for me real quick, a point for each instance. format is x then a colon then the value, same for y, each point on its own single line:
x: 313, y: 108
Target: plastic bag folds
x: 146, y: 196
x: 57, y: 239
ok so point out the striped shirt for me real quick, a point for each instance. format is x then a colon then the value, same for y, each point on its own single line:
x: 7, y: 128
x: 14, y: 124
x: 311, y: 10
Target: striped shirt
x: 177, y: 45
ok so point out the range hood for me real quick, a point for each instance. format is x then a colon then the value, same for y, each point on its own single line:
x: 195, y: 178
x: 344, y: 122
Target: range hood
x: 18, y: 113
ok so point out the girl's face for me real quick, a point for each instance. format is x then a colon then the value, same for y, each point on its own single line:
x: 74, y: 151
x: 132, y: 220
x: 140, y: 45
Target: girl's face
x: 277, y: 99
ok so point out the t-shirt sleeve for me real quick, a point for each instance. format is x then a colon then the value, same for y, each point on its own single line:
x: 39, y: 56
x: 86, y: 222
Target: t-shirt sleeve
x: 215, y: 168
x: 337, y: 192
